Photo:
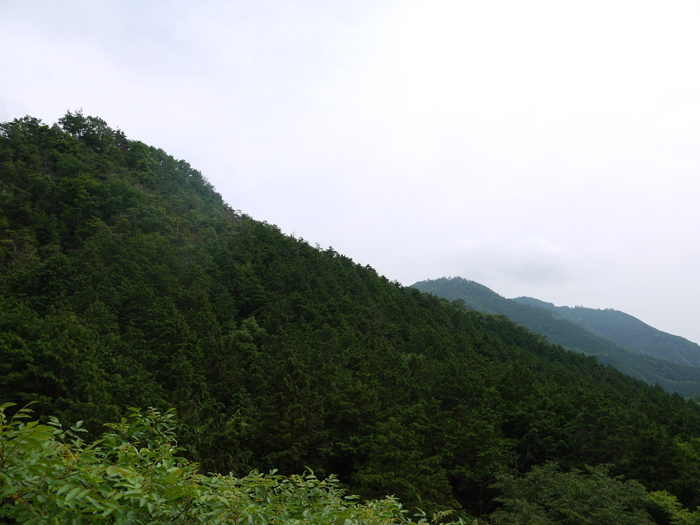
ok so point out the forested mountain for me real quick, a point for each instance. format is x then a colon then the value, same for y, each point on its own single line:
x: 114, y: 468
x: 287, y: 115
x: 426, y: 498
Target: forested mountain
x: 625, y: 330
x: 672, y: 376
x: 125, y: 280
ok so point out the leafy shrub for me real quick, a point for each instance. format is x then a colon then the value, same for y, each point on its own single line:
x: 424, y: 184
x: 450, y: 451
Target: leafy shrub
x: 132, y: 475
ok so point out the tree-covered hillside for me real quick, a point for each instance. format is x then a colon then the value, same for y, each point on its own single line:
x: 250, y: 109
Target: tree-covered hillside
x: 625, y: 330
x: 561, y: 330
x: 125, y: 280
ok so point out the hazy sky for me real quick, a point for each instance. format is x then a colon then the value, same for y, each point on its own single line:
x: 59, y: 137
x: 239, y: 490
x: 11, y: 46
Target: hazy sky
x: 549, y: 149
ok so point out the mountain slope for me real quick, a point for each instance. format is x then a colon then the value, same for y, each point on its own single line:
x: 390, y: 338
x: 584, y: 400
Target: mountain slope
x: 126, y: 280
x: 561, y: 330
x: 625, y: 330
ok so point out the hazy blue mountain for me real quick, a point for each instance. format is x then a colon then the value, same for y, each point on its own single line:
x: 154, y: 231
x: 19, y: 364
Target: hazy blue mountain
x: 559, y: 327
x: 625, y: 330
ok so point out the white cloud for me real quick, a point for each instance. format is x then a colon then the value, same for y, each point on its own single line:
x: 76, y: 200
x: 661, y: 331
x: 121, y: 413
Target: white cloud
x: 528, y: 262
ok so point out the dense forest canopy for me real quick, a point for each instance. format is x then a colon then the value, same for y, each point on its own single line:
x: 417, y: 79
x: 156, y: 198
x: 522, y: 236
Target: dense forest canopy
x: 125, y: 280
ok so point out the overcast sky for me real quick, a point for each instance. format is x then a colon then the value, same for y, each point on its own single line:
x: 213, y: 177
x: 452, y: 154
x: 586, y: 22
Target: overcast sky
x: 548, y: 149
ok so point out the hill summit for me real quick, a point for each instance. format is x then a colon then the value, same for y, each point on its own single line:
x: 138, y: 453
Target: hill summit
x: 126, y: 280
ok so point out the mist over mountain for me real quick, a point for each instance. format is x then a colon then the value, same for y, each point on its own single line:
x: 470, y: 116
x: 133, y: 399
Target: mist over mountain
x: 126, y: 280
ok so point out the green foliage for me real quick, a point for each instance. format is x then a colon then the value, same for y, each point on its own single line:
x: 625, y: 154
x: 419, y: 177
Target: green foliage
x: 132, y: 475
x: 666, y: 510
x: 548, y: 496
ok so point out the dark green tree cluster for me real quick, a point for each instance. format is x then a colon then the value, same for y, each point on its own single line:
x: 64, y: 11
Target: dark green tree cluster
x: 127, y: 281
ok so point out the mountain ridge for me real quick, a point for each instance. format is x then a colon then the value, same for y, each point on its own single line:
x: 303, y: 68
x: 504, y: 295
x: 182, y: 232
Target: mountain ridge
x: 625, y: 330
x: 672, y: 375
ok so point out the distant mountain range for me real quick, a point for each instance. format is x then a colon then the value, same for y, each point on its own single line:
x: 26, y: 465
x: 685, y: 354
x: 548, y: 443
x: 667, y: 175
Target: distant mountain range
x: 616, y: 338
x: 625, y: 330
